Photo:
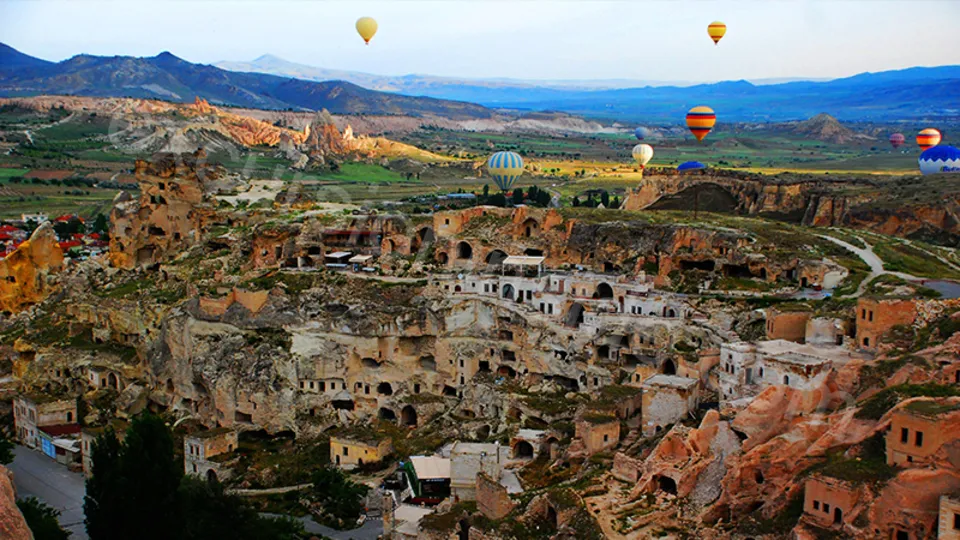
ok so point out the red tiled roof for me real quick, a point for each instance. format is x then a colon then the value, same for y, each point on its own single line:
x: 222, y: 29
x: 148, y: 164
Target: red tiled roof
x: 61, y: 429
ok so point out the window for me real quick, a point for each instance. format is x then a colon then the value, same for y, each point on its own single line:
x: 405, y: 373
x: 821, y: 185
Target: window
x: 416, y: 388
x: 529, y: 295
x: 863, y: 314
x: 919, y: 439
x: 826, y: 508
x: 816, y: 505
x: 345, y: 451
x: 446, y: 221
x: 461, y: 363
x: 956, y: 522
x: 596, y: 381
x: 904, y: 435
x: 786, y: 379
x: 871, y: 316
x: 866, y: 342
x: 301, y: 385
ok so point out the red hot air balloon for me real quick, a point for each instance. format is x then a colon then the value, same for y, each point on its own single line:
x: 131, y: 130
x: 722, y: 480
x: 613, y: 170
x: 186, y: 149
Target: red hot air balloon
x: 897, y: 140
x: 928, y: 138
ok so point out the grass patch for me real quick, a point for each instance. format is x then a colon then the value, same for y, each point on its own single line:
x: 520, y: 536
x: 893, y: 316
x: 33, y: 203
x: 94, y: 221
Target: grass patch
x: 874, y: 407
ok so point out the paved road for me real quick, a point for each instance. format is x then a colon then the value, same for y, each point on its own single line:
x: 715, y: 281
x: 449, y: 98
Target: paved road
x: 371, y: 529
x: 36, y: 475
x: 872, y: 260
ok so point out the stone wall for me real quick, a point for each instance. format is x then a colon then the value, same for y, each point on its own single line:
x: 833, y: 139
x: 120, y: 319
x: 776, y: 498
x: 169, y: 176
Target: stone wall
x: 788, y: 325
x: 493, y: 501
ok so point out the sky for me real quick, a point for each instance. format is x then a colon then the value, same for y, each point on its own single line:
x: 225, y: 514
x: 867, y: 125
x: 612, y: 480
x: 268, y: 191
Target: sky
x: 650, y: 40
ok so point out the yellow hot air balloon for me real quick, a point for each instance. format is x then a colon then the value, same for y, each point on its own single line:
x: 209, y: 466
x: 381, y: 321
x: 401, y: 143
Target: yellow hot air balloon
x: 701, y: 120
x: 716, y: 30
x: 366, y: 27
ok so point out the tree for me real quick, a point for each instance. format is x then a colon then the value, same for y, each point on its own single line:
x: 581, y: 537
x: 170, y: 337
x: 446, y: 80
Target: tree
x: 6, y: 450
x: 101, y: 224
x: 486, y: 190
x: 544, y: 198
x: 498, y: 200
x: 533, y: 193
x: 103, y: 500
x: 605, y: 199
x: 42, y: 520
x: 518, y: 196
x: 341, y: 498
x: 576, y: 201
x: 205, y: 508
x: 615, y: 202
x: 134, y: 484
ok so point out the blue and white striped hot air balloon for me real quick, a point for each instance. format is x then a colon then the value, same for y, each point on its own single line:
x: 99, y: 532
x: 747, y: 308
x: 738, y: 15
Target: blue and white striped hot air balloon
x: 940, y: 159
x: 505, y: 168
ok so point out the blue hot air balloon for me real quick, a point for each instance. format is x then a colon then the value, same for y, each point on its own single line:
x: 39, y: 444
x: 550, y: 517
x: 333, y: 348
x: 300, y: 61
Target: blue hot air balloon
x: 940, y: 159
x: 641, y: 133
x: 505, y: 168
x: 690, y: 166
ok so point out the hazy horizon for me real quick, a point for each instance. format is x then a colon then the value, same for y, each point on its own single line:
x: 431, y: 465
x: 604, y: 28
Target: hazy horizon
x: 534, y: 40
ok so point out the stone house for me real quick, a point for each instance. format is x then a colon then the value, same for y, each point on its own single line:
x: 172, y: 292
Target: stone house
x: 200, y: 451
x: 825, y: 331
x: 353, y: 448
x: 829, y: 502
x: 918, y: 430
x: 949, y: 521
x: 32, y: 412
x: 876, y: 317
x: 597, y: 432
x: 667, y: 399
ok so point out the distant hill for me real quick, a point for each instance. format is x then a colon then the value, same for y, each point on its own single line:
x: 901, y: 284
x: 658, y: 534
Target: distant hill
x: 824, y: 127
x: 908, y: 94
x: 167, y: 77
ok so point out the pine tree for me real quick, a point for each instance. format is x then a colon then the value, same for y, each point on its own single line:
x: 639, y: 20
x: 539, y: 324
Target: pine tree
x: 104, y: 500
x: 576, y: 201
x: 605, y: 199
x: 518, y: 196
x: 486, y: 190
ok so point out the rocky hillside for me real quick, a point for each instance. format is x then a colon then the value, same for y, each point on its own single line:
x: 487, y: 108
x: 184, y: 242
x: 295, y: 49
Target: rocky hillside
x: 168, y: 77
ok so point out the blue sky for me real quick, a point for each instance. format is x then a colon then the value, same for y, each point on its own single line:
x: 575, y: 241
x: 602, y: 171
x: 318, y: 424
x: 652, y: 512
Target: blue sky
x: 529, y: 39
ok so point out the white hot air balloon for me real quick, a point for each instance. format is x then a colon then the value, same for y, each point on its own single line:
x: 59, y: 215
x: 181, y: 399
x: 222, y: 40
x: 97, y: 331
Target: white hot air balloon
x: 643, y: 153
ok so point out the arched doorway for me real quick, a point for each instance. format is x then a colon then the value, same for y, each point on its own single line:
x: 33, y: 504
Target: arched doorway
x: 212, y: 476
x: 385, y: 389
x: 387, y: 414
x: 496, y: 257
x: 552, y: 517
x: 113, y: 381
x: 667, y: 485
x: 604, y: 291
x: 669, y: 312
x: 530, y: 227
x: 408, y: 416
x: 464, y: 251
x: 423, y: 237
x: 837, y: 516
x: 574, y: 316
x: 508, y: 291
x: 669, y: 368
x: 523, y: 450
x: 463, y: 530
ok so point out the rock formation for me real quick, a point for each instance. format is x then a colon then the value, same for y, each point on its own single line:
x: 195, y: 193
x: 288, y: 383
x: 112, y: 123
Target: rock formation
x: 27, y: 275
x: 170, y: 214
x: 12, y: 524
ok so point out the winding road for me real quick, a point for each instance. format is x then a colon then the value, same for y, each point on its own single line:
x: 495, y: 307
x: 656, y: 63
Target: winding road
x: 36, y: 475
x: 871, y: 259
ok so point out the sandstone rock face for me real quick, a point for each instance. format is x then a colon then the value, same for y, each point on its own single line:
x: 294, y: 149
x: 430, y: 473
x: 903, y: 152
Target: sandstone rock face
x: 170, y: 215
x: 12, y: 524
x: 27, y: 274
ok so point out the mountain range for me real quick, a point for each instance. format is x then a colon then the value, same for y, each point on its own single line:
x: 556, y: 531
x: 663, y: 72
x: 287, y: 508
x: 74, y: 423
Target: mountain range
x: 914, y: 94
x: 168, y: 77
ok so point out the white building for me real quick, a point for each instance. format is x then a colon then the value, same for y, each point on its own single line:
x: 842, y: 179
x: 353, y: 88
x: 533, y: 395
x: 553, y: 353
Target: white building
x: 746, y: 369
x: 469, y: 459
